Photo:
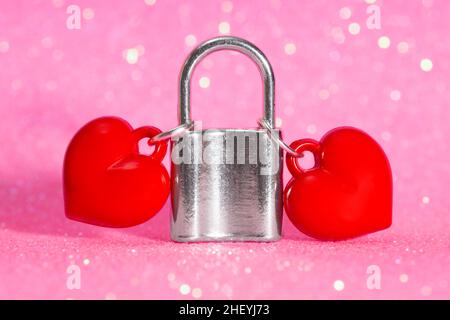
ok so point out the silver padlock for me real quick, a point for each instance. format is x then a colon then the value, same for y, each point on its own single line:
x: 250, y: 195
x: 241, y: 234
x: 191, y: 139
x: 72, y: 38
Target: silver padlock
x: 226, y: 183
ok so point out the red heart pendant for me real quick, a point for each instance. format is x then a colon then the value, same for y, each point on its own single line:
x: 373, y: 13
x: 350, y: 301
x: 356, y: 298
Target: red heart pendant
x: 107, y: 182
x: 347, y: 193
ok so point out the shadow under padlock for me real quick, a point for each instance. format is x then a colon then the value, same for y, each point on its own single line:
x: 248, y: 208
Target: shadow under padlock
x: 226, y: 183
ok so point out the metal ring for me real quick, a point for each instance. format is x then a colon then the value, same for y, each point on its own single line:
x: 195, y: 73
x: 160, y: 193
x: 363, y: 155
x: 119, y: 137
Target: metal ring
x: 276, y: 138
x: 177, y: 131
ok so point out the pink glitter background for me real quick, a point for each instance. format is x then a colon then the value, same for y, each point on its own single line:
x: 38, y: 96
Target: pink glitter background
x: 54, y: 79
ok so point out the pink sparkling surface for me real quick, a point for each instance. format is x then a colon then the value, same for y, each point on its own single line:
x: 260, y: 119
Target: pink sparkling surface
x: 54, y: 79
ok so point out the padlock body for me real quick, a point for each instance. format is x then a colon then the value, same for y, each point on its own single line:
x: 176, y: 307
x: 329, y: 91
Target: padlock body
x: 226, y: 186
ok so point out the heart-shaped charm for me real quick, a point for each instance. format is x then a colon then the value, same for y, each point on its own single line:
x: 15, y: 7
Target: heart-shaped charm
x: 347, y: 193
x: 107, y: 182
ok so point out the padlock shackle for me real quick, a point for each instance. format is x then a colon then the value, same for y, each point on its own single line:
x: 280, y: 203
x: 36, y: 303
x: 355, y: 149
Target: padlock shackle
x: 226, y: 43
